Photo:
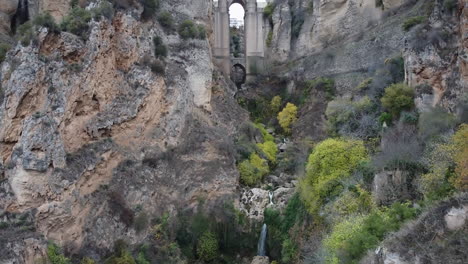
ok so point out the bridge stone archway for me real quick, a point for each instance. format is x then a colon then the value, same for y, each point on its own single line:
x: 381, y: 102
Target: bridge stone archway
x: 253, y: 26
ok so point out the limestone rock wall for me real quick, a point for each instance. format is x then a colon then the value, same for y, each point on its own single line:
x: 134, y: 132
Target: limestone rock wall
x: 90, y: 137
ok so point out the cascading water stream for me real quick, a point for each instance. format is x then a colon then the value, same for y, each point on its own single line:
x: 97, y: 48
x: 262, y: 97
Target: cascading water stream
x: 270, y: 193
x: 261, y: 247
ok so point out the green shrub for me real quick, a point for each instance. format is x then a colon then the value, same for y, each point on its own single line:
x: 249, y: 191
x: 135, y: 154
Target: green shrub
x: 165, y: 19
x: 253, y: 170
x: 141, y: 222
x: 331, y: 161
x: 207, y: 247
x: 269, y: 149
x: 266, y: 136
x: 105, y: 9
x: 76, y: 22
x: 398, y: 97
x: 26, y: 33
x: 47, y: 21
x: 87, y: 260
x: 275, y: 105
x: 269, y: 39
x: 4, y: 225
x: 320, y: 84
x: 268, y: 10
x: 141, y: 259
x: 149, y: 8
x: 459, y: 149
x: 413, y: 21
x: 287, y: 117
x: 201, y: 32
x: 123, y: 257
x: 352, y: 238
x: 160, y: 50
x: 288, y: 251
x: 385, y: 118
x: 187, y: 30
x: 364, y: 85
x: 356, y: 200
x: 3, y: 50
x: 450, y: 5
x: 55, y: 255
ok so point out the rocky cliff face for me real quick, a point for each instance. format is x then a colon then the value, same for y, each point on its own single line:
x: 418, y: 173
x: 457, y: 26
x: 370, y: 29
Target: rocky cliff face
x: 90, y: 136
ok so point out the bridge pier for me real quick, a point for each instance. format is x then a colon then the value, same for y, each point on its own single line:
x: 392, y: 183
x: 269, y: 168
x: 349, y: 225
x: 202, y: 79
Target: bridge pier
x: 254, y: 42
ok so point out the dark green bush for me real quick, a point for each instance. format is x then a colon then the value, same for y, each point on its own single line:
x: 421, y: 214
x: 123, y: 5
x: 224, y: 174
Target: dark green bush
x: 158, y: 67
x: 450, y: 5
x: 321, y: 84
x: 207, y: 248
x: 166, y: 20
x: 268, y: 10
x: 413, y: 21
x: 160, y: 50
x: 76, y: 22
x: 47, y: 21
x: 149, y: 8
x: 201, y: 32
x: 55, y: 255
x: 385, y: 118
x: 188, y: 30
x: 398, y: 97
x: 26, y: 33
x: 3, y: 50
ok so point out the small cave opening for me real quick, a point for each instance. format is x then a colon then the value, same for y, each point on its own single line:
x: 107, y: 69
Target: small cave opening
x: 21, y: 16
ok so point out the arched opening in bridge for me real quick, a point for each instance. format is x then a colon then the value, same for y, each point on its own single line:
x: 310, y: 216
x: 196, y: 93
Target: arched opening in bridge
x: 237, y: 42
x: 236, y: 30
x: 238, y: 74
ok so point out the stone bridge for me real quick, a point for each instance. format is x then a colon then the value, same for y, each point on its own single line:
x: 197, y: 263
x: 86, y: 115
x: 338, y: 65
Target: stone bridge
x: 252, y: 61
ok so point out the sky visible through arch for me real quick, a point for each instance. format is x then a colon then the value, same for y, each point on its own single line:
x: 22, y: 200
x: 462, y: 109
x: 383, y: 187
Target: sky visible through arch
x: 236, y: 11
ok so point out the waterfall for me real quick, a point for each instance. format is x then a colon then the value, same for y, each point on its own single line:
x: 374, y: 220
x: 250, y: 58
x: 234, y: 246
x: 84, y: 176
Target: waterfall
x: 261, y: 250
x: 270, y: 193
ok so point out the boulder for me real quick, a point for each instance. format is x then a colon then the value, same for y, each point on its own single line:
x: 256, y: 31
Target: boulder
x: 260, y: 260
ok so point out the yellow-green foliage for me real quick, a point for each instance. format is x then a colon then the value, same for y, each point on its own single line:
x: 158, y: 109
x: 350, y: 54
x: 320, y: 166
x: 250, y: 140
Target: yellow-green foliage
x: 440, y: 180
x: 87, y: 260
x: 207, y: 247
x: 364, y: 84
x: 123, y: 257
x: 436, y: 184
x: 252, y: 170
x: 330, y: 161
x: 398, y: 97
x: 275, y: 104
x: 270, y: 150
x: 266, y: 136
x: 352, y: 202
x: 342, y: 232
x: 287, y: 117
x: 460, y: 156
